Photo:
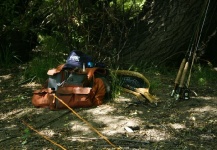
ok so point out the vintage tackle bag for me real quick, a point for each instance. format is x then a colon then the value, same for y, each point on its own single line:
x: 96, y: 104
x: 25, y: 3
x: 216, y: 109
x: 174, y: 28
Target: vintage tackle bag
x: 80, y: 97
x: 78, y: 90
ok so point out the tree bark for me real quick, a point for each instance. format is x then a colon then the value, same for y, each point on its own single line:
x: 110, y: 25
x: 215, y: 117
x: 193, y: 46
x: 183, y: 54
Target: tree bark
x: 164, y: 31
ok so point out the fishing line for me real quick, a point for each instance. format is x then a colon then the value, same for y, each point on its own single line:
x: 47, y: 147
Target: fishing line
x: 198, y: 41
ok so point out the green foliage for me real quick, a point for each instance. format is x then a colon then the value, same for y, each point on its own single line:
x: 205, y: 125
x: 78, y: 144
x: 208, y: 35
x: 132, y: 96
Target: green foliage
x: 204, y: 75
x: 201, y: 75
x: 99, y: 28
x: 19, y: 98
x: 51, y: 52
x: 52, y: 45
x: 26, y: 135
x: 133, y: 7
x: 155, y: 82
x: 114, y: 85
x: 39, y: 67
x: 17, y: 32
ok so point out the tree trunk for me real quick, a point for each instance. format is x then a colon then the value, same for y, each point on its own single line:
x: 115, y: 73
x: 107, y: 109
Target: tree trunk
x: 165, y: 30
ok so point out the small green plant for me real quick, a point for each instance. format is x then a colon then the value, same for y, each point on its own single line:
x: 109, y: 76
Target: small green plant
x: 38, y: 67
x: 156, y: 74
x: 204, y: 75
x: 20, y: 98
x: 202, y: 81
x: 26, y: 135
x: 115, y: 85
x: 155, y: 83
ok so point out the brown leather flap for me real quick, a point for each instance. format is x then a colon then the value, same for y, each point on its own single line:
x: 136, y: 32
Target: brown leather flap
x: 73, y: 90
x: 55, y: 70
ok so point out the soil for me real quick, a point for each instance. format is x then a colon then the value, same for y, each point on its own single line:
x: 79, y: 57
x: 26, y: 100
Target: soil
x: 125, y: 121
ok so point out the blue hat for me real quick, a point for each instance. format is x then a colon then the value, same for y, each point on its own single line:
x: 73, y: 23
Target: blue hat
x: 76, y: 59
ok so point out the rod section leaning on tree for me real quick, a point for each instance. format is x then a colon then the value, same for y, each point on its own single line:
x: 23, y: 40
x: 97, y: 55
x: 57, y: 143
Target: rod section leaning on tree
x: 181, y: 90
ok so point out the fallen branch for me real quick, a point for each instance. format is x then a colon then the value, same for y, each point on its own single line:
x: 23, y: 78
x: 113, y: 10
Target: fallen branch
x: 45, y: 137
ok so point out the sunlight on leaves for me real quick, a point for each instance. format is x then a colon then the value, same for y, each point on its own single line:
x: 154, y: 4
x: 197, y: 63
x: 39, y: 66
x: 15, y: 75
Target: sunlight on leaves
x: 202, y: 81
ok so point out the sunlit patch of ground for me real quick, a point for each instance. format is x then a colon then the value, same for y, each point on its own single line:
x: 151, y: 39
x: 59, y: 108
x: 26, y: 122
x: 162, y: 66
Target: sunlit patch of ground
x: 5, y: 77
x: 177, y: 126
x: 15, y: 113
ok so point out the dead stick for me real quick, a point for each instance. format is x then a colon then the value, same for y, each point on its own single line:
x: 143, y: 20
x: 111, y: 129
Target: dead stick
x: 45, y: 137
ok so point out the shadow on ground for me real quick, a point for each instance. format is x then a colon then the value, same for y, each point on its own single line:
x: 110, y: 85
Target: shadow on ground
x: 126, y: 122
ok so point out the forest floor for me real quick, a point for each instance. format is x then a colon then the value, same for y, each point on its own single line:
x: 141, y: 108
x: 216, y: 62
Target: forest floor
x: 126, y: 122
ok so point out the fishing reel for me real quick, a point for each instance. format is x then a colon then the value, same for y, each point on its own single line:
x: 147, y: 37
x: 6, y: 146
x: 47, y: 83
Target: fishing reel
x: 182, y: 94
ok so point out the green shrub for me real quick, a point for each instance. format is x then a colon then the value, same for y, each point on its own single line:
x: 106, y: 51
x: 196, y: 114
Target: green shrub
x: 51, y: 52
x: 204, y: 75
